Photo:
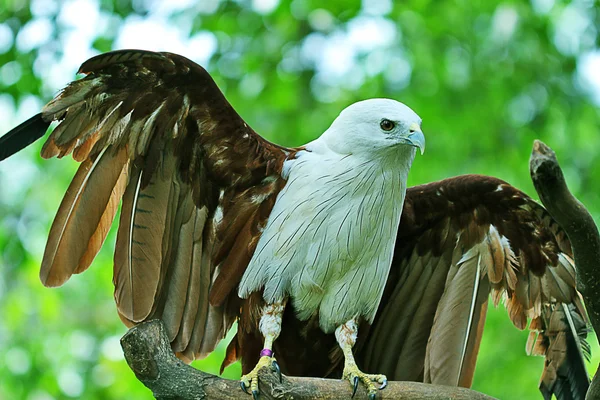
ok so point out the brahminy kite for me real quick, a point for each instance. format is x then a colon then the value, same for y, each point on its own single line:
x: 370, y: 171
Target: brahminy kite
x: 302, y: 246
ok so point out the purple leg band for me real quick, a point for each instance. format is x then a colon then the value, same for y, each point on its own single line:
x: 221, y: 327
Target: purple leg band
x: 266, y: 352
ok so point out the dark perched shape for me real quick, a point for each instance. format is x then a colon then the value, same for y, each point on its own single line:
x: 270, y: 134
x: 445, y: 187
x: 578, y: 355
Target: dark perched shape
x: 197, y: 186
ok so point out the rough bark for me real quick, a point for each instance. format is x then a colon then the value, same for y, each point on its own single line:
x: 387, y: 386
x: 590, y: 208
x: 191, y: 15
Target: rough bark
x: 579, y: 226
x: 149, y: 355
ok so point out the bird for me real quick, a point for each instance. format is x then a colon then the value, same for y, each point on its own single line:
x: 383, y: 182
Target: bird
x: 321, y: 253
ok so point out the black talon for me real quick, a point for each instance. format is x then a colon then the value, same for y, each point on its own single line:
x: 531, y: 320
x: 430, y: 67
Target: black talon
x: 275, y: 368
x: 355, y: 386
x: 243, y: 386
x: 255, y: 394
x: 372, y: 396
x: 383, y: 384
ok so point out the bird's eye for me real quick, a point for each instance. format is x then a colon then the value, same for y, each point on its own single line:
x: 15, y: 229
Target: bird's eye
x: 387, y: 125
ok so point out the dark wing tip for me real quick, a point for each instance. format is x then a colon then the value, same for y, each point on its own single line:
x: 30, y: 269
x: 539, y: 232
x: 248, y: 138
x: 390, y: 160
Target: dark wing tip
x: 565, y: 376
x: 114, y: 57
x: 22, y: 136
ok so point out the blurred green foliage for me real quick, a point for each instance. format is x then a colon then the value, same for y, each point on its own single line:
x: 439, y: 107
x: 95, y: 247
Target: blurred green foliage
x: 486, y: 77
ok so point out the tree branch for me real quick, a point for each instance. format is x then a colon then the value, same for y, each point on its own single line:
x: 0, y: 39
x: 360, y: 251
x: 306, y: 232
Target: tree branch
x: 579, y: 226
x: 149, y: 355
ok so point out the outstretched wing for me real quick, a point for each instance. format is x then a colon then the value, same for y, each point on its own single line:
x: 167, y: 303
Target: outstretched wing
x: 459, y: 240
x: 196, y: 183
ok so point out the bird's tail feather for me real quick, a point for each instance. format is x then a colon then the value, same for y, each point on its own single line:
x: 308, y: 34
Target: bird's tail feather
x: 22, y: 136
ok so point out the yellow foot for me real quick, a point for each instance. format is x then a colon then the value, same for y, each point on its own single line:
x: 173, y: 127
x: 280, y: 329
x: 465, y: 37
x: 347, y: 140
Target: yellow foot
x: 250, y: 380
x: 354, y: 375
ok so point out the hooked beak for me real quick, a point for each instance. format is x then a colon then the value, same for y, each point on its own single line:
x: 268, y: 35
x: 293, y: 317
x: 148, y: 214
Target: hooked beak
x: 416, y: 137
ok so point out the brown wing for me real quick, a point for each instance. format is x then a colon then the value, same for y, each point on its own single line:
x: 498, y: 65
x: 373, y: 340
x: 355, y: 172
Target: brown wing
x: 459, y: 240
x: 196, y: 184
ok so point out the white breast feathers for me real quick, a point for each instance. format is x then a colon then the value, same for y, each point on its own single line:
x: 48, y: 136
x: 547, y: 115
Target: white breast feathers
x: 329, y: 240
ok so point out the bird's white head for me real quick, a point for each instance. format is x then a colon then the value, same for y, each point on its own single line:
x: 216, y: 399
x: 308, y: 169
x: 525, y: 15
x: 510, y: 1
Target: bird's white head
x: 375, y: 125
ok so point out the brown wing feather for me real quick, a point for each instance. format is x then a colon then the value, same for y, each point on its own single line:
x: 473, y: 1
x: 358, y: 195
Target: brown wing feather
x: 562, y: 340
x: 97, y: 239
x: 182, y: 234
x: 407, y: 315
x: 196, y: 182
x: 138, y: 261
x: 79, y: 216
x: 456, y: 322
x: 520, y: 258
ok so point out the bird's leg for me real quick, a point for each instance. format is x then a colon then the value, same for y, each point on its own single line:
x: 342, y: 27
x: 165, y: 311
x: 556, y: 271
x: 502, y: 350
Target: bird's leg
x: 270, y: 327
x: 346, y: 337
